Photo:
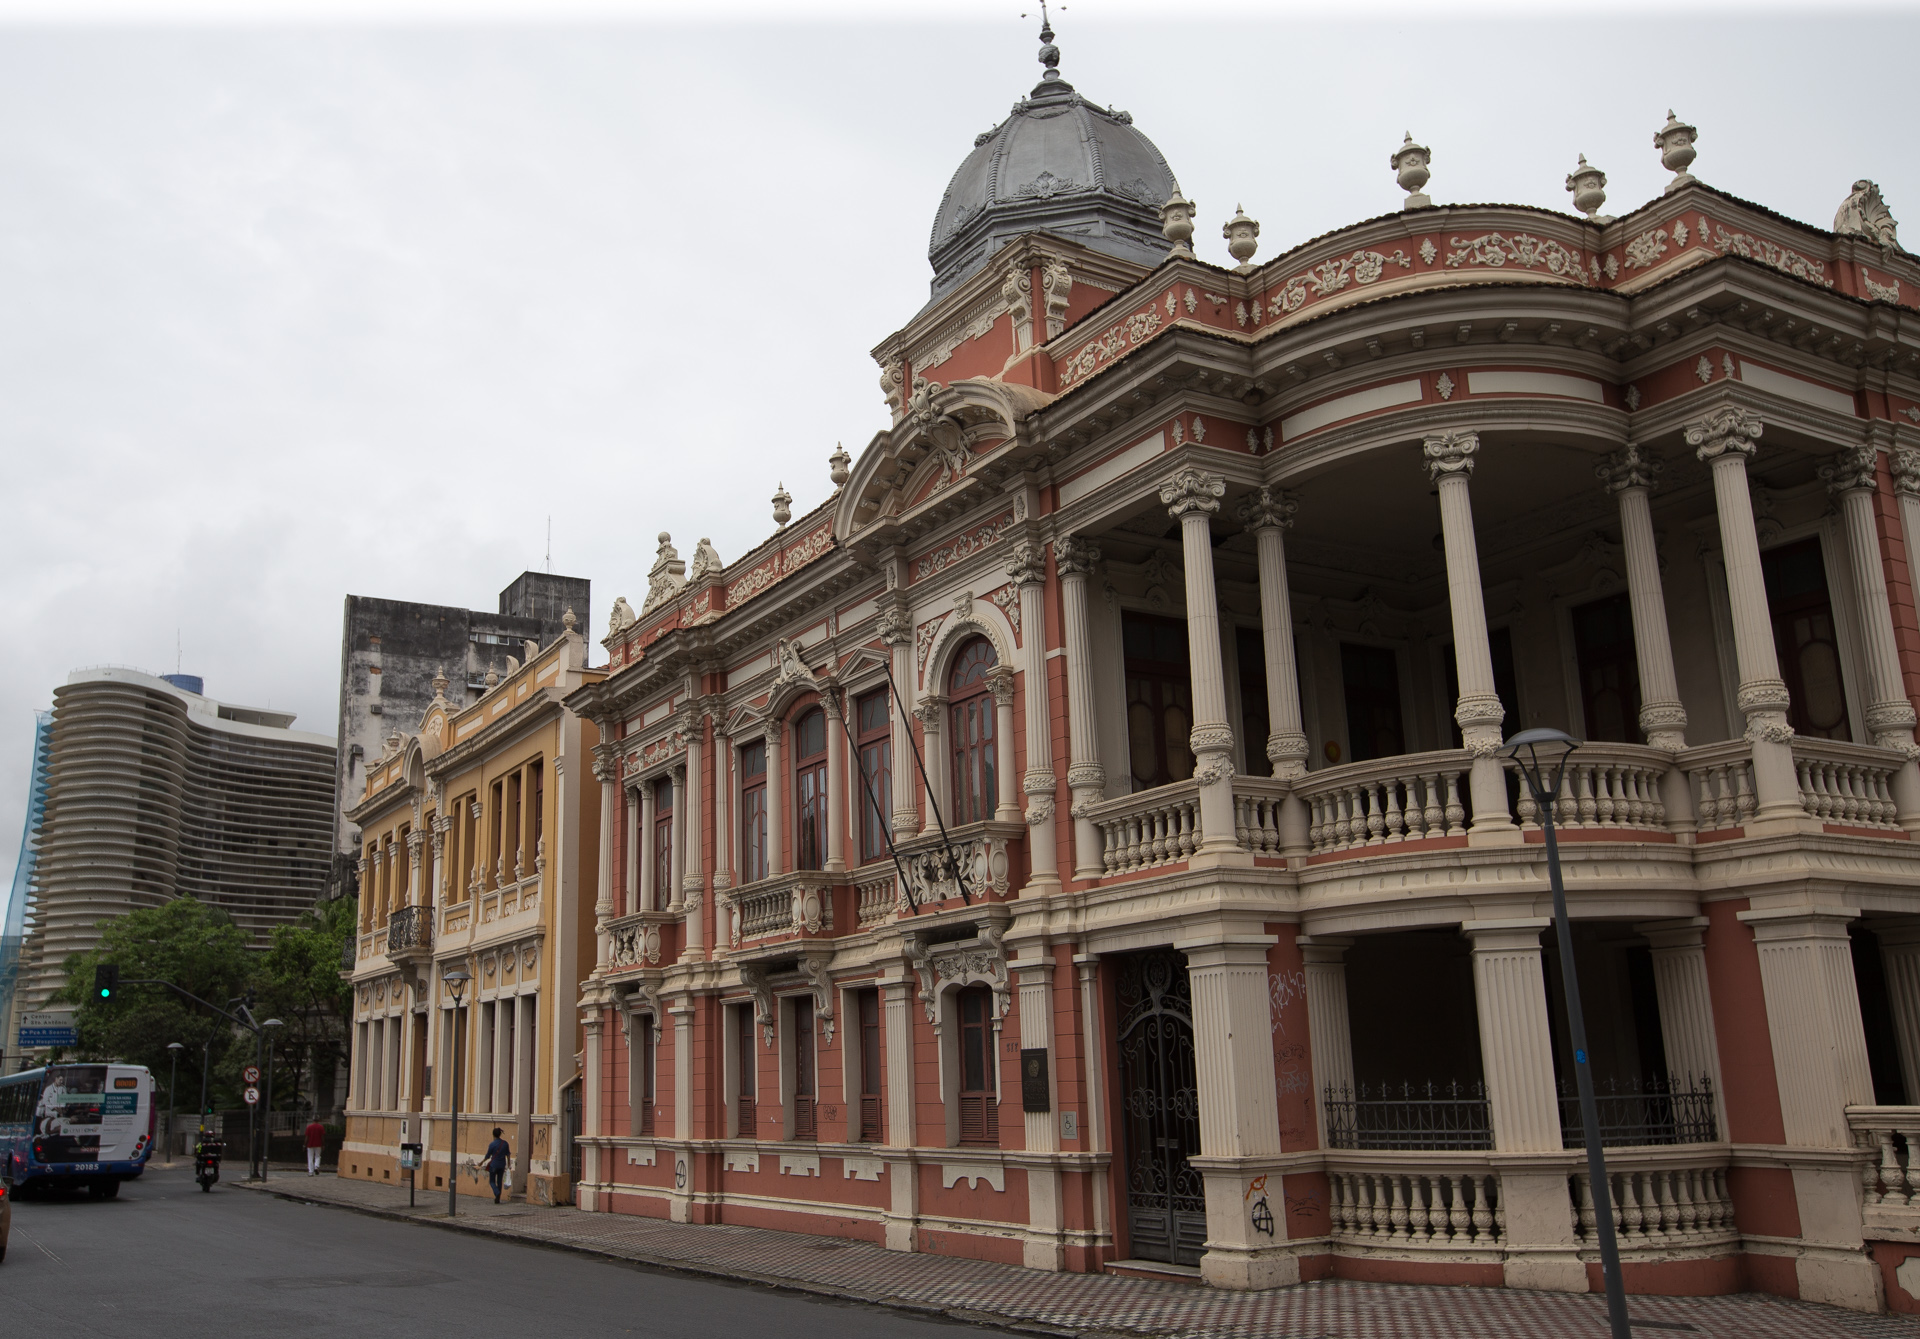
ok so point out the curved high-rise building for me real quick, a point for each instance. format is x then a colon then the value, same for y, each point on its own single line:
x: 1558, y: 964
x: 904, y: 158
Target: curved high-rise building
x: 155, y: 790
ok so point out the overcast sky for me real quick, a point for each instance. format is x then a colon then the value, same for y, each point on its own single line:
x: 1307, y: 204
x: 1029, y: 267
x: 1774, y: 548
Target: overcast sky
x: 294, y: 309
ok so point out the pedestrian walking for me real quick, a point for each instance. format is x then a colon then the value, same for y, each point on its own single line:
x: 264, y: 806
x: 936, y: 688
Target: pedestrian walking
x: 316, y: 1140
x: 496, y: 1159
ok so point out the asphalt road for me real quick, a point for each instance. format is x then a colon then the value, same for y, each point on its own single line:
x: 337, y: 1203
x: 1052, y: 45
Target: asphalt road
x: 164, y: 1260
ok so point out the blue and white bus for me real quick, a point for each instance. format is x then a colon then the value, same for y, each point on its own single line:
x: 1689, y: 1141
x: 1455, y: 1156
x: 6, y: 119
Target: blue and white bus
x: 76, y: 1125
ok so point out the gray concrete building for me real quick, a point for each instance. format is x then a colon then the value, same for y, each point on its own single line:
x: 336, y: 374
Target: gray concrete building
x: 390, y: 651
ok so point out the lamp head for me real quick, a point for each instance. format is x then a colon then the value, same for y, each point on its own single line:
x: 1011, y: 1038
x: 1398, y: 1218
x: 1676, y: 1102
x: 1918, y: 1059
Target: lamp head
x: 455, y: 979
x: 175, y: 1046
x: 273, y: 1022
x: 1538, y: 751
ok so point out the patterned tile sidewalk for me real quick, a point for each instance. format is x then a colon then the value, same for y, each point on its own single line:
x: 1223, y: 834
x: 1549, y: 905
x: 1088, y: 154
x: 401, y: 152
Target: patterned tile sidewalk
x: 1012, y: 1298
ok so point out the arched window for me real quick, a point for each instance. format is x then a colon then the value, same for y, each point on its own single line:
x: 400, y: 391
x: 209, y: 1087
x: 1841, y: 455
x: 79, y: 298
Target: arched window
x: 663, y: 890
x: 970, y: 732
x: 875, y: 729
x: 753, y: 811
x: 810, y: 790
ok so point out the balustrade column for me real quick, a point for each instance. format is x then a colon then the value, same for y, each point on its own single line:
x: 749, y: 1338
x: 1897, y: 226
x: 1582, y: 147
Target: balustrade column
x: 896, y: 631
x: 603, y: 898
x: 1900, y: 955
x: 931, y: 712
x: 1630, y: 474
x: 640, y: 876
x: 1479, y: 712
x: 1851, y: 476
x: 1027, y: 566
x: 1007, y: 796
x: 836, y: 797
x: 776, y: 799
x: 1324, y: 962
x: 1074, y: 560
x: 693, y: 846
x: 668, y: 899
x: 1686, y: 1006
x: 1192, y: 497
x: 1723, y: 440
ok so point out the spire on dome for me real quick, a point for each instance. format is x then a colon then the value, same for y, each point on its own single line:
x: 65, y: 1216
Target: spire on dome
x: 1051, y: 84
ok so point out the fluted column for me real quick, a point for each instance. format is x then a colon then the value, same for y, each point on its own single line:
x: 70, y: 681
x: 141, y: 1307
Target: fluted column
x: 416, y: 843
x: 1516, y: 1046
x: 1630, y: 474
x: 1851, y: 477
x: 591, y: 1022
x: 1479, y: 713
x: 1269, y: 513
x: 1900, y: 955
x: 1074, y: 560
x: 1027, y: 566
x: 1813, y: 1018
x: 1192, y: 497
x: 836, y: 797
x: 776, y: 799
x: 1007, y: 790
x: 681, y: 1011
x: 692, y: 840
x: 603, y: 772
x: 1723, y: 439
x: 932, y: 712
x: 897, y: 1002
x: 896, y: 631
x: 1686, y: 1007
x: 676, y: 843
x: 1324, y: 961
x: 723, y: 833
x: 640, y: 853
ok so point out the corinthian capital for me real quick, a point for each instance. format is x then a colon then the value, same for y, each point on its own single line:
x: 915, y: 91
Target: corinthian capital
x: 1027, y: 564
x: 1728, y: 428
x: 1450, y: 453
x: 1268, y: 507
x: 895, y: 626
x: 1906, y: 470
x: 1074, y: 556
x: 1193, y: 491
x: 1631, y: 466
x: 1851, y: 468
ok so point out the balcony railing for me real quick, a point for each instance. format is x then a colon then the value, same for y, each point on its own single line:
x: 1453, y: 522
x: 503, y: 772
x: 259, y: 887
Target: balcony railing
x: 1405, y: 1205
x: 875, y: 896
x: 1720, y: 779
x: 1410, y: 1116
x: 1385, y: 801
x: 409, y: 930
x: 1606, y: 785
x: 1149, y: 828
x: 1659, y: 1202
x: 1891, y: 1179
x: 1641, y: 1113
x: 1850, y: 784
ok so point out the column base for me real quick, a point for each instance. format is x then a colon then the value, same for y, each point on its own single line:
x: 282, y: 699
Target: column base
x: 1247, y: 1269
x: 1507, y: 835
x: 1548, y: 1271
x: 1840, y: 1278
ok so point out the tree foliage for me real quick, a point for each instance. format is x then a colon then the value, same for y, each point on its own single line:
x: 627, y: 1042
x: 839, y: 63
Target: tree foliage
x: 198, y: 948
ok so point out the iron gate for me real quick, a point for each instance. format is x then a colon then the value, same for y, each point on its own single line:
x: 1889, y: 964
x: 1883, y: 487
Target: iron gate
x: 1166, y: 1199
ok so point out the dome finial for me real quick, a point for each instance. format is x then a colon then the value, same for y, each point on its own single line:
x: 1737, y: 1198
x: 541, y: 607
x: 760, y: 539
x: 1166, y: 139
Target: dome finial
x: 1049, y: 56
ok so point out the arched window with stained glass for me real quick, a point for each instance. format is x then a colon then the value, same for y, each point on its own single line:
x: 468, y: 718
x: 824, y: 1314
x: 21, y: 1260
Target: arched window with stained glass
x: 970, y: 733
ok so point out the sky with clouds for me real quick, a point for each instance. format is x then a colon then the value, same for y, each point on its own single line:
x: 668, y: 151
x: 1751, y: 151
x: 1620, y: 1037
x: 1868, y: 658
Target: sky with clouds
x: 302, y: 300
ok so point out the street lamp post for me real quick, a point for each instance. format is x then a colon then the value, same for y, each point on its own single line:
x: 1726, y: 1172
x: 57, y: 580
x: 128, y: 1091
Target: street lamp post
x: 173, y: 1084
x: 455, y: 979
x: 266, y: 1103
x: 1538, y: 752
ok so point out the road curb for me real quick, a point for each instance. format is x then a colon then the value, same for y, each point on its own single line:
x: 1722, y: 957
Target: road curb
x: 966, y: 1315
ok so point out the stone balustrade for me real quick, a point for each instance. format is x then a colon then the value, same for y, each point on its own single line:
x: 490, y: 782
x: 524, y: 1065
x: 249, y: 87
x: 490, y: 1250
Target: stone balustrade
x: 1385, y: 801
x: 1256, y: 813
x: 1426, y: 1200
x: 1720, y: 779
x: 1850, y: 784
x: 1658, y: 1202
x: 1149, y: 828
x: 1605, y: 785
x: 875, y: 897
x: 1890, y: 1178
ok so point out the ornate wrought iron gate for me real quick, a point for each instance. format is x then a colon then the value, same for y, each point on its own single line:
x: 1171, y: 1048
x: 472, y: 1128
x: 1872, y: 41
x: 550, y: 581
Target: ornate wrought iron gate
x: 1166, y: 1200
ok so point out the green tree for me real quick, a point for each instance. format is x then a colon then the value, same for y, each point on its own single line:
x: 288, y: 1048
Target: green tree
x: 299, y: 984
x: 185, y: 941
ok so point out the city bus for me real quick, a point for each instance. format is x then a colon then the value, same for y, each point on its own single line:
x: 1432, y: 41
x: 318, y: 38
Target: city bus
x: 67, y: 1126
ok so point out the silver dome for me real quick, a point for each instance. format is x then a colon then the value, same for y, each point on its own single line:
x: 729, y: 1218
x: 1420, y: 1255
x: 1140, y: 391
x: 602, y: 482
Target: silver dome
x: 1058, y: 164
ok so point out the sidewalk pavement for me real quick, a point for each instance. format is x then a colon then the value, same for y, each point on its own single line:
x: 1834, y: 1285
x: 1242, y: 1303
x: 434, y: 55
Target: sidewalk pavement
x: 1090, y: 1306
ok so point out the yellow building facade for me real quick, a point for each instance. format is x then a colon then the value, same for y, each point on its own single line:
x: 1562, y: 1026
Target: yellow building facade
x: 472, y: 832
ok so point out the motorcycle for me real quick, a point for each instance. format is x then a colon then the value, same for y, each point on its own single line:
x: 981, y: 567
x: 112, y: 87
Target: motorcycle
x: 206, y: 1162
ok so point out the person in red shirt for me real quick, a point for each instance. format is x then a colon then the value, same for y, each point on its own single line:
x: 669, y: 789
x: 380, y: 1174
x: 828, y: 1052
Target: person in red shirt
x: 316, y: 1140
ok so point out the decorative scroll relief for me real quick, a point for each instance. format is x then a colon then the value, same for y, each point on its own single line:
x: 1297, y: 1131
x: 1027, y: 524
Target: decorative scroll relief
x: 657, y: 752
x: 1362, y: 267
x: 1008, y: 600
x: 782, y: 565
x: 1877, y: 291
x: 961, y: 547
x: 1760, y: 249
x: 1135, y: 330
x: 923, y: 639
x: 1497, y: 251
x: 1646, y: 249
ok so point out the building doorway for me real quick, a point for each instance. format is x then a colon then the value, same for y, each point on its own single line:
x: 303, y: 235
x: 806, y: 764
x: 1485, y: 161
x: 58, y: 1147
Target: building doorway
x: 1804, y: 639
x: 1160, y: 1104
x: 1609, y: 665
x: 1159, y: 700
x: 1370, y: 681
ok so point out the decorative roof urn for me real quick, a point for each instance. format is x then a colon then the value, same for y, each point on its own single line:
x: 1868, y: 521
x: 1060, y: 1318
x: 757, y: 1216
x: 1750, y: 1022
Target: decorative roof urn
x: 837, y: 465
x: 1589, y: 187
x: 1243, y: 239
x: 782, y: 506
x: 1675, y: 142
x: 1176, y: 223
x: 1410, y: 163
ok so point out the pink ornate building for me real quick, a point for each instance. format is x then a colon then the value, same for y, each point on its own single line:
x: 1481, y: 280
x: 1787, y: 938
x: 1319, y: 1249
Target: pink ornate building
x: 1084, y: 839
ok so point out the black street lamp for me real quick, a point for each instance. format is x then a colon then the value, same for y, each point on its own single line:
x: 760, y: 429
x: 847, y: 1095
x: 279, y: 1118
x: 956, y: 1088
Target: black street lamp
x: 173, y: 1083
x: 266, y: 1117
x: 1539, y: 753
x: 455, y: 979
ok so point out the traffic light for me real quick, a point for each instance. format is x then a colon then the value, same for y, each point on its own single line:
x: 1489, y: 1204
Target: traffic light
x: 106, y: 980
